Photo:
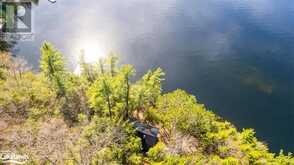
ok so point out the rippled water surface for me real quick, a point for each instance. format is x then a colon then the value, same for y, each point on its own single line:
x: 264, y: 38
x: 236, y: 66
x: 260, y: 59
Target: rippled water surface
x: 236, y: 56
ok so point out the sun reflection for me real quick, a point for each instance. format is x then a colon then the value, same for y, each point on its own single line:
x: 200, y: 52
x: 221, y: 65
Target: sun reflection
x: 92, y: 51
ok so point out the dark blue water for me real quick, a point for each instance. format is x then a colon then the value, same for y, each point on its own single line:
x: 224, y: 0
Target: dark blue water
x: 236, y: 56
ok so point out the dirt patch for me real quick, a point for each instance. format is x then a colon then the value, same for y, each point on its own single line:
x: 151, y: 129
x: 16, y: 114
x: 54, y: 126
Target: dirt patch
x: 3, y: 125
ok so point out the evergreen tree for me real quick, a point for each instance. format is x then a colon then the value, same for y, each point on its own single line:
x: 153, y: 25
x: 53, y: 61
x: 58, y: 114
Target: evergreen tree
x: 53, y: 67
x: 112, y: 62
x: 127, y: 72
x: 101, y: 95
x: 149, y: 88
x: 87, y: 70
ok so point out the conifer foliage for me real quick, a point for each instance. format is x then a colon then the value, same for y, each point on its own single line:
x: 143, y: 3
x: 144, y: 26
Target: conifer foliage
x: 58, y: 117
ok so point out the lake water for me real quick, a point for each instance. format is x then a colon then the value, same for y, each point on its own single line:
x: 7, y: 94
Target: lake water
x: 236, y: 56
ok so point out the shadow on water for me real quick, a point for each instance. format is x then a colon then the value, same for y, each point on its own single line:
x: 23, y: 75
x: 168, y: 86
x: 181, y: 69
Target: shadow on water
x: 254, y: 78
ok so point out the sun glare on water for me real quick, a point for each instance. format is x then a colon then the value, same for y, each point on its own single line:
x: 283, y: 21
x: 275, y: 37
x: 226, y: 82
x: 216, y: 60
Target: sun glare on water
x: 93, y: 51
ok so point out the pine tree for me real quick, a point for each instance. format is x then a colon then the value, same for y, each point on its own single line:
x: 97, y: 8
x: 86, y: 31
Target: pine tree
x: 53, y: 67
x: 127, y: 72
x: 101, y: 95
x: 112, y: 61
x: 87, y: 70
x: 149, y: 88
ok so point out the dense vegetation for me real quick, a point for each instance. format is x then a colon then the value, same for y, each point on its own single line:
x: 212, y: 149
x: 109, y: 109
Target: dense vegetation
x: 57, y: 117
